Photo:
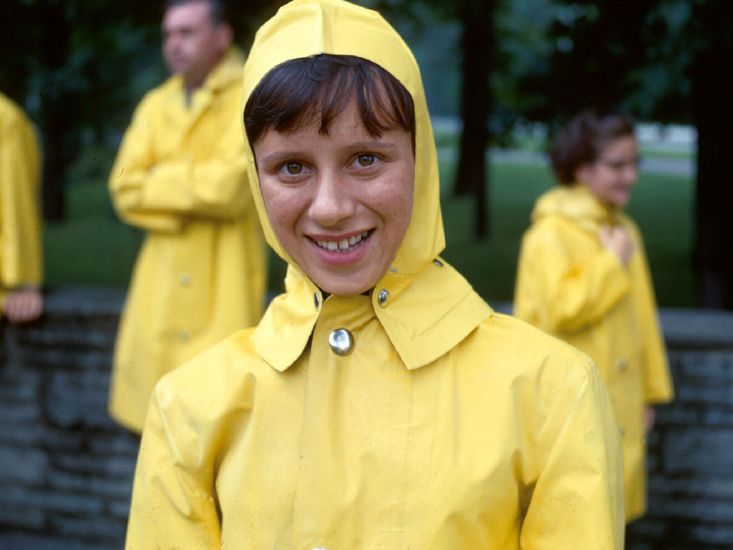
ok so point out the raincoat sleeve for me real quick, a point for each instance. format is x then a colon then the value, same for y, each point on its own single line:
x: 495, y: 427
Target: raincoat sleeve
x: 173, y: 504
x: 577, y: 497
x: 158, y: 192
x: 658, y: 387
x: 20, y: 229
x: 559, y: 293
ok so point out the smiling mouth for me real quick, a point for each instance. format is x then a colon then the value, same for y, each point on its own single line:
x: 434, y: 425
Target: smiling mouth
x: 343, y: 245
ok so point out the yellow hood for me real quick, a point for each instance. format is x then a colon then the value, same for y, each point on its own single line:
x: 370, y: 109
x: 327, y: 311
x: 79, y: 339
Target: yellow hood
x: 431, y: 307
x: 308, y: 27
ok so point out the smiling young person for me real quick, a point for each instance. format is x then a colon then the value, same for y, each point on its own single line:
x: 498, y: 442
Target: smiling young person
x: 583, y: 277
x: 380, y: 403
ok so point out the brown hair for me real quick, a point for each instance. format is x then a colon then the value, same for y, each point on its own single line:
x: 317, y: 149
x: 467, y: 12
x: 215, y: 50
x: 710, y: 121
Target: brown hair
x: 217, y: 9
x: 301, y: 91
x: 583, y: 140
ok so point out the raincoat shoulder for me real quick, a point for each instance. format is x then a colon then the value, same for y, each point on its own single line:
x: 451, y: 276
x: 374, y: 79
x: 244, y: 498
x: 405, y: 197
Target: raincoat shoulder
x: 20, y: 226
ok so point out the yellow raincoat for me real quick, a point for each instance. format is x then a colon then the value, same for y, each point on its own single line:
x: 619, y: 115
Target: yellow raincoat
x: 200, y: 276
x: 448, y: 426
x: 573, y: 288
x: 20, y: 226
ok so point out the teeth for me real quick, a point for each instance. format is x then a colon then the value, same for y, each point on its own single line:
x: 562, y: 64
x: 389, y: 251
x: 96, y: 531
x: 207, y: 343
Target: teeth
x: 343, y: 244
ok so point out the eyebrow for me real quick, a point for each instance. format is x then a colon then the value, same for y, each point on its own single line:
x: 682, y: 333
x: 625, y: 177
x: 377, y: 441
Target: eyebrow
x: 280, y: 156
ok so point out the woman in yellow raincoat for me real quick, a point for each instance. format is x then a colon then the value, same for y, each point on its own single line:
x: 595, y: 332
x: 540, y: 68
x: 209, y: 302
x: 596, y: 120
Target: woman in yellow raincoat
x: 583, y: 277
x: 380, y: 403
x: 20, y: 226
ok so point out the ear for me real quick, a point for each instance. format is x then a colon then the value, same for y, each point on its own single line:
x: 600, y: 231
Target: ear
x: 583, y: 172
x: 225, y: 35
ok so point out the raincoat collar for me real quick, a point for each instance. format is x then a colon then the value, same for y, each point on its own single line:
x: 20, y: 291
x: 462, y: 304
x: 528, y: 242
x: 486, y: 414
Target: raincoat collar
x: 425, y: 317
x: 431, y: 307
x: 578, y: 204
x: 228, y: 70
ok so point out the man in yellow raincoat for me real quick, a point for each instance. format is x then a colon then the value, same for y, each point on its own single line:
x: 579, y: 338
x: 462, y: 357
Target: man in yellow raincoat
x: 20, y: 227
x: 583, y: 277
x: 180, y: 176
x: 380, y: 403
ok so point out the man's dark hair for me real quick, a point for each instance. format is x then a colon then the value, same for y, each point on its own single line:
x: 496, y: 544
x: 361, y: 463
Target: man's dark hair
x: 300, y: 91
x: 217, y: 9
x: 582, y: 141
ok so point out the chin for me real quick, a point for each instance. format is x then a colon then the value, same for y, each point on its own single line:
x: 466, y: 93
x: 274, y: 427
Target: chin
x: 347, y: 287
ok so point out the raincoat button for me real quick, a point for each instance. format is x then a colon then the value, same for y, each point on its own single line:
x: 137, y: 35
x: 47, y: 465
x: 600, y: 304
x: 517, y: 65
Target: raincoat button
x: 184, y: 279
x: 316, y: 301
x: 184, y: 336
x: 341, y: 342
x: 383, y: 297
x: 621, y: 364
x: 437, y: 262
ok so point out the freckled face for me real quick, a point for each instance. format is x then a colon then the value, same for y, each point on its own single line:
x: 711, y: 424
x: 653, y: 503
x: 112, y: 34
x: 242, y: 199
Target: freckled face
x: 340, y: 203
x: 611, y: 177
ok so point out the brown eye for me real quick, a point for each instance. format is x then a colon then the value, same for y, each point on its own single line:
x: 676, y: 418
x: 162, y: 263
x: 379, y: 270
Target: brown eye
x: 366, y: 160
x: 293, y: 168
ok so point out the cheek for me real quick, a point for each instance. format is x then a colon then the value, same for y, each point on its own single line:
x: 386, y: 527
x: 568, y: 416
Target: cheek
x: 282, y: 208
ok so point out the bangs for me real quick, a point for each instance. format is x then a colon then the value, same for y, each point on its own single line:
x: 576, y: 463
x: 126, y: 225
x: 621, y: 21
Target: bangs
x: 316, y: 89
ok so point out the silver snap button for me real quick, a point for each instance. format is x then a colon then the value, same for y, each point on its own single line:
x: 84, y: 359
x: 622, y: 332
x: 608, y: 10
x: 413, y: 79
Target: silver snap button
x: 184, y: 279
x: 437, y: 262
x: 316, y: 301
x: 383, y: 297
x: 184, y: 336
x: 621, y: 364
x: 341, y: 342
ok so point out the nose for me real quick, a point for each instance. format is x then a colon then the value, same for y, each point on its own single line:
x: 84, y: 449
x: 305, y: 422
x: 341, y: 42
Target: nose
x: 630, y: 173
x: 333, y: 201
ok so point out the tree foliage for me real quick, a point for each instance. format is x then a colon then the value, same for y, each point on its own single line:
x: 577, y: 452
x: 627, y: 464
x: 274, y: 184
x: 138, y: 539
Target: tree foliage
x: 80, y: 66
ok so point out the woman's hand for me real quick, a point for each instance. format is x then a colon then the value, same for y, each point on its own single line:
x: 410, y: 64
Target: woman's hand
x: 23, y: 305
x: 617, y: 240
x: 650, y: 417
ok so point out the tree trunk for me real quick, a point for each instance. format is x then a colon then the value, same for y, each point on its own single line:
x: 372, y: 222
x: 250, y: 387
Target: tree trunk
x: 477, y: 46
x: 711, y: 105
x: 60, y: 115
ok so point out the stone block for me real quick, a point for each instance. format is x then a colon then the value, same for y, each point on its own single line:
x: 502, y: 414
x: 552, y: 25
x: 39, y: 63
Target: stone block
x: 77, y: 399
x: 22, y: 466
x: 712, y: 392
x: 21, y: 517
x: 23, y: 414
x: 718, y: 417
x: 52, y: 501
x: 703, y: 453
x: 677, y: 413
x: 104, y: 529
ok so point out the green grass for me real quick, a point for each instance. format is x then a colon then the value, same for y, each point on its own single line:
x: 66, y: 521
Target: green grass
x: 93, y: 248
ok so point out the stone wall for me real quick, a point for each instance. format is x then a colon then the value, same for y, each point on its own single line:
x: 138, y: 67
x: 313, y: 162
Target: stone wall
x: 691, y: 447
x: 66, y: 468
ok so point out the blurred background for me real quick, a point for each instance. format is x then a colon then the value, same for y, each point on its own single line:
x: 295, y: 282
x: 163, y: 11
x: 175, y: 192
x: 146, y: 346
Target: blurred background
x: 501, y: 75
